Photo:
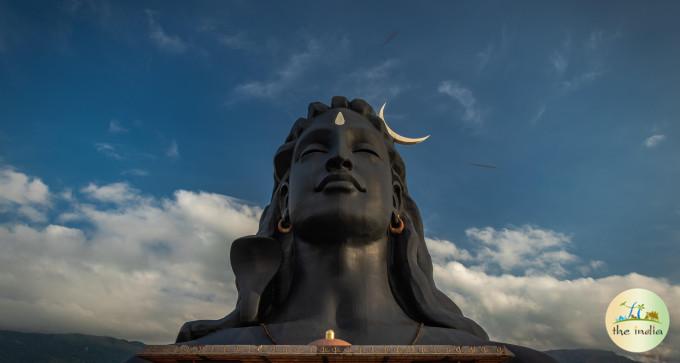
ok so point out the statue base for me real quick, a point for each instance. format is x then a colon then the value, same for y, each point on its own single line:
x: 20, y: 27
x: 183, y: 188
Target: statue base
x: 311, y: 353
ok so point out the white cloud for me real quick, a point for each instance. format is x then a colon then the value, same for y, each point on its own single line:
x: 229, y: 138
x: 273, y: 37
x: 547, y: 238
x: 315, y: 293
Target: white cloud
x: 580, y: 80
x: 232, y: 40
x: 30, y: 196
x: 173, y: 150
x: 465, y: 98
x: 115, y: 192
x: 579, y: 66
x: 116, y: 128
x: 296, y: 65
x: 378, y: 72
x: 66, y: 194
x: 539, y: 114
x: 21, y: 189
x: 539, y: 307
x: 544, y: 312
x: 33, y: 213
x: 525, y: 250
x: 654, y: 140
x: 163, y: 40
x: 108, y: 150
x: 559, y: 59
x: 375, y: 84
x: 443, y: 251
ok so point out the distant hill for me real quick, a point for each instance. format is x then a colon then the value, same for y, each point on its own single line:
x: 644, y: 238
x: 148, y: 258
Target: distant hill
x: 587, y: 356
x: 18, y: 347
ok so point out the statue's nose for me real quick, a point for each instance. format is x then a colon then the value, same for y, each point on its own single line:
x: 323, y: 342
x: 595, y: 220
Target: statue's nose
x: 339, y: 153
x: 338, y: 162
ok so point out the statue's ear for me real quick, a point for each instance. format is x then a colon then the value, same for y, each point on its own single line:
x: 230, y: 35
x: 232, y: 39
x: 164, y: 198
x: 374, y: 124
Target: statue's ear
x: 397, y: 195
x: 282, y: 160
x: 255, y: 260
x: 283, y: 198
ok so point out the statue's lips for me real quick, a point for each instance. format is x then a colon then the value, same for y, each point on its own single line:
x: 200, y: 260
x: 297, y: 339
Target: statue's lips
x: 339, y: 181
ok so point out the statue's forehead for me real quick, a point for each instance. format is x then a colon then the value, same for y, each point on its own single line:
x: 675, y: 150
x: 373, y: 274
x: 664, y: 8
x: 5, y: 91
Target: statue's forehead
x: 341, y: 118
x: 350, y: 123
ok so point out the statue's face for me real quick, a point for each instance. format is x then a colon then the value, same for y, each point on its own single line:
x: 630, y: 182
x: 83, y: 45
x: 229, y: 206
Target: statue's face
x: 340, y: 182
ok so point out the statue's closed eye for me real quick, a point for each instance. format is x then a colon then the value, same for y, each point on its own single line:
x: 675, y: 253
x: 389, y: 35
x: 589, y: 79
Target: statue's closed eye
x: 312, y: 149
x: 366, y: 149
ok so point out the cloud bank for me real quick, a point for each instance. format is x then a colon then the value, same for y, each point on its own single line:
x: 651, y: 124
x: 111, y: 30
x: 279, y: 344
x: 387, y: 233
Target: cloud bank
x: 534, y: 306
x: 121, y: 263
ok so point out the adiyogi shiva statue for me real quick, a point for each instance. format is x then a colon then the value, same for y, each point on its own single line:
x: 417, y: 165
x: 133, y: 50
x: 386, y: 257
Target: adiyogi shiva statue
x: 341, y: 247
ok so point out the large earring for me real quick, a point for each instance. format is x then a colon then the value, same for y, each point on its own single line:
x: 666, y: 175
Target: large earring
x: 284, y: 225
x: 399, y: 228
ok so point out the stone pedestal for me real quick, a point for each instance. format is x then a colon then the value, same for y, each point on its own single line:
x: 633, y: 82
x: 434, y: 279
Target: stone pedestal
x: 311, y: 353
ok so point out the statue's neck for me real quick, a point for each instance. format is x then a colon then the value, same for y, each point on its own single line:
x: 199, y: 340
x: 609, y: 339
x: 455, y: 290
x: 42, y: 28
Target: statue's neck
x: 341, y: 284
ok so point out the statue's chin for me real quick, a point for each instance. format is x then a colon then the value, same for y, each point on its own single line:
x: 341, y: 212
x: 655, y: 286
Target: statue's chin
x: 339, y: 227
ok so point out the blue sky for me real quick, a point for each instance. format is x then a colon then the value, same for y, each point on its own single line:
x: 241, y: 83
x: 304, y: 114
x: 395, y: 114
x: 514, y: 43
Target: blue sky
x: 575, y: 103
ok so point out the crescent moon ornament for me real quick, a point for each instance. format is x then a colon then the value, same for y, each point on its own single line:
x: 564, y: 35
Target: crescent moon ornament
x: 398, y: 138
